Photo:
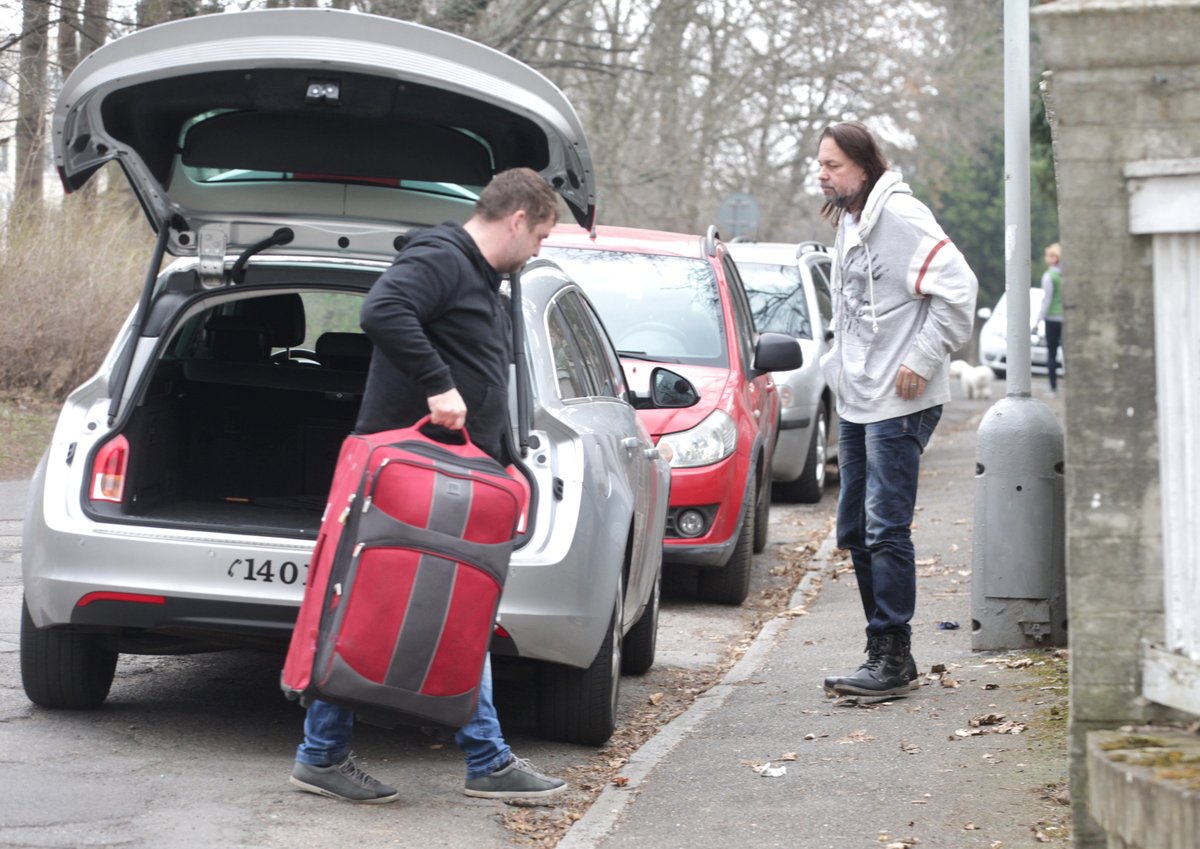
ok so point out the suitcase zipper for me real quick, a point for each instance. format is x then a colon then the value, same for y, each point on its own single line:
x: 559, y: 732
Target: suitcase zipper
x: 346, y: 510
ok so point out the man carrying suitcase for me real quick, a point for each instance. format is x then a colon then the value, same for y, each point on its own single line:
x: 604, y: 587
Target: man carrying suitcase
x: 442, y: 348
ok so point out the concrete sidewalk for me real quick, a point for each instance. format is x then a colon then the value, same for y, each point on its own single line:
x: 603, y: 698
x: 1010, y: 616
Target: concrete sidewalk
x: 965, y: 761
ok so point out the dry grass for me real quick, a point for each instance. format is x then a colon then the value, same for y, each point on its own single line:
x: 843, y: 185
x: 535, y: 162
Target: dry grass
x: 26, y: 424
x: 69, y: 275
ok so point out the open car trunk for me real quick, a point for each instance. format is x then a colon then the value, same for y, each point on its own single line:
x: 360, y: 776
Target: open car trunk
x: 234, y: 453
x: 239, y: 421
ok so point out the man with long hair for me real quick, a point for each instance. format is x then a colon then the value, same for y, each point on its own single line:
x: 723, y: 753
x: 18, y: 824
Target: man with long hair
x: 904, y: 300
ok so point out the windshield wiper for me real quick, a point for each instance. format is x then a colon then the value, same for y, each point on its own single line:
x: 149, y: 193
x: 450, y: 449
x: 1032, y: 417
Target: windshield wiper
x: 642, y: 355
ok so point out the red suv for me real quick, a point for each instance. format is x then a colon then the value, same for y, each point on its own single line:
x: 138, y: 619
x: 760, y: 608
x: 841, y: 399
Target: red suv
x: 670, y: 298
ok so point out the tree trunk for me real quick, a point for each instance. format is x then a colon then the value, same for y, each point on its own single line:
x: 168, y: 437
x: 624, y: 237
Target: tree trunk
x: 95, y: 28
x: 31, y: 104
x: 68, y: 36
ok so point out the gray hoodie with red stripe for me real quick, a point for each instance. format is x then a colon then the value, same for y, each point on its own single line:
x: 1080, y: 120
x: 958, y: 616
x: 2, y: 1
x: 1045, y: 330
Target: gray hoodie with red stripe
x: 902, y: 295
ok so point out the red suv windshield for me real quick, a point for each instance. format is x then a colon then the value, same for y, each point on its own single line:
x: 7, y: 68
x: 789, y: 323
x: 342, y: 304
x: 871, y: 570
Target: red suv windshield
x: 660, y: 307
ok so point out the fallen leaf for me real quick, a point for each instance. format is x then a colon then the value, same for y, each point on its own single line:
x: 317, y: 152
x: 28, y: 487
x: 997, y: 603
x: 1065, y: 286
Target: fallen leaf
x: 769, y: 771
x: 620, y: 781
x: 970, y: 827
x: 947, y: 681
x: 656, y: 698
x: 788, y: 756
x: 987, y: 719
x: 860, y: 736
x: 991, y: 686
x: 910, y: 748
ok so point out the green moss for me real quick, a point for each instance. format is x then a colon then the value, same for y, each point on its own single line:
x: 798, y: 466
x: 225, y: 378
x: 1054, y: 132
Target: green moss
x: 1133, y: 741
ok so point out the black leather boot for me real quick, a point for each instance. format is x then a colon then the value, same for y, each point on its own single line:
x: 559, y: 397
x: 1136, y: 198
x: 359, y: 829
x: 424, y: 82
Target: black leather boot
x: 889, y: 670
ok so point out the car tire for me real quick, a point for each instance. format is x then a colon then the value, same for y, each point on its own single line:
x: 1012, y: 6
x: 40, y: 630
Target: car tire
x: 762, y: 514
x: 580, y: 705
x: 640, y: 643
x: 809, y: 488
x: 64, y: 669
x: 730, y: 584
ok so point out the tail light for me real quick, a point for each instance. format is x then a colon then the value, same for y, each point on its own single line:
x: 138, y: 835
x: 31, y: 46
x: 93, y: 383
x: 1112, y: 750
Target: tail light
x: 108, y: 470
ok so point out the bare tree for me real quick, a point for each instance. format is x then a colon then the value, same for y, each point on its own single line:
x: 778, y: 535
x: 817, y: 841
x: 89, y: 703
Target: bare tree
x: 94, y: 30
x: 31, y: 103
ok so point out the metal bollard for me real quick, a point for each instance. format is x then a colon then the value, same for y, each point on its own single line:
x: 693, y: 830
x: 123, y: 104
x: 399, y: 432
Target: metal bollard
x: 1018, y: 574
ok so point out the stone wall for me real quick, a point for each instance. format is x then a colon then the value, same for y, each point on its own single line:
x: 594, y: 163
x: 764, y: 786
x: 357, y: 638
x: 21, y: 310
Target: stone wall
x: 1123, y: 85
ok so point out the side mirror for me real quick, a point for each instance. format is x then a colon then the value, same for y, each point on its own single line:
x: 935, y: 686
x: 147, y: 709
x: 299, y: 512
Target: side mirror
x: 777, y: 352
x: 668, y: 390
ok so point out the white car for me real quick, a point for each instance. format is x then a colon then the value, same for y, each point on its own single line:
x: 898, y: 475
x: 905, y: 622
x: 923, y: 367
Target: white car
x: 282, y: 156
x: 788, y: 288
x: 993, y: 337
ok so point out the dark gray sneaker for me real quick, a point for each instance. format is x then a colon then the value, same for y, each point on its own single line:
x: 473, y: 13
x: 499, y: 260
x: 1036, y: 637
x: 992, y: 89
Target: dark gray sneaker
x: 346, y: 781
x: 519, y: 780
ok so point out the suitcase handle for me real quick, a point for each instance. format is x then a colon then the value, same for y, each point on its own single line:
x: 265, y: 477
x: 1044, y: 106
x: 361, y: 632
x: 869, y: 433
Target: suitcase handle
x: 427, y: 421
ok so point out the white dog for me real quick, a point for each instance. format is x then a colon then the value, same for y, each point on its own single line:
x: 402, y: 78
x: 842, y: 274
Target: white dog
x: 976, y: 381
x: 957, y: 367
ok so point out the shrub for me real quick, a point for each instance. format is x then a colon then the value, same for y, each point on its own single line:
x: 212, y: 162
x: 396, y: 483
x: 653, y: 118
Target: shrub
x: 69, y: 275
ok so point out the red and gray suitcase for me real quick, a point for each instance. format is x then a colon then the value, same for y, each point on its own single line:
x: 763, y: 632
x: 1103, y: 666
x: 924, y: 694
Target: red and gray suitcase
x: 405, y: 579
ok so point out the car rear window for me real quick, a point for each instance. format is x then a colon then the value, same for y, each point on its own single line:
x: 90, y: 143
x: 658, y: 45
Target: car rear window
x: 776, y: 294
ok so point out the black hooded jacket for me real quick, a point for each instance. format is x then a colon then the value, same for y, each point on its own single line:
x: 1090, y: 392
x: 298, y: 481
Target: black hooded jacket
x: 438, y: 323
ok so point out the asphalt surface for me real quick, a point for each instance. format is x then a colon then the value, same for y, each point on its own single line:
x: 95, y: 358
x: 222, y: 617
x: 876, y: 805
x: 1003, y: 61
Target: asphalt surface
x: 194, y: 751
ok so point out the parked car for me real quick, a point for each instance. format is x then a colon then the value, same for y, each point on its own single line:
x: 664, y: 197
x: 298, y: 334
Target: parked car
x: 177, y: 505
x: 677, y: 300
x: 788, y: 288
x: 993, y: 337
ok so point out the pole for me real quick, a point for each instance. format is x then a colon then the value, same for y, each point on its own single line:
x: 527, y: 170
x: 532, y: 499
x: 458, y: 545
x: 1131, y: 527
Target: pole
x: 1016, y: 192
x: 1018, y: 577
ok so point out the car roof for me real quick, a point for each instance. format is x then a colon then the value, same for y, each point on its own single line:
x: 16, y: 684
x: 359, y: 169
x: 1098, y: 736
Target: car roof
x: 783, y: 253
x: 633, y: 239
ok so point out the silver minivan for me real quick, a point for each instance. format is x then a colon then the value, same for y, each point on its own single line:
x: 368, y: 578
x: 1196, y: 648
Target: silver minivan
x: 281, y: 157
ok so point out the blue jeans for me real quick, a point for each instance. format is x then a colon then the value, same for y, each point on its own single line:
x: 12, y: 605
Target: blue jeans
x: 879, y: 464
x: 328, y: 729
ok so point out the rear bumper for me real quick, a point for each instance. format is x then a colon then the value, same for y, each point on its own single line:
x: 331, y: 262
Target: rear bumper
x: 155, y: 590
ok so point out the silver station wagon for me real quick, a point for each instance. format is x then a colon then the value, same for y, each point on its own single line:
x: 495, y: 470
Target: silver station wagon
x: 282, y: 157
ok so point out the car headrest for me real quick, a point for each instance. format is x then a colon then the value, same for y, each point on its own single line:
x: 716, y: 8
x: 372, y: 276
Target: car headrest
x: 282, y: 315
x: 237, y: 338
x: 350, y: 351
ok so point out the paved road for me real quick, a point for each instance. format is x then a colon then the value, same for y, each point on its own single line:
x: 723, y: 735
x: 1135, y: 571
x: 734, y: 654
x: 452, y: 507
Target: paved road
x: 193, y: 752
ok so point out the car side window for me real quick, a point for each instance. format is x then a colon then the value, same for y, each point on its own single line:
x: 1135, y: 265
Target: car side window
x: 569, y: 369
x: 743, y: 317
x: 822, y: 272
x: 597, y: 348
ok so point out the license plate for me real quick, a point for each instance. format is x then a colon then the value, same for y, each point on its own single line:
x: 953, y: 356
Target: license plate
x: 268, y: 570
